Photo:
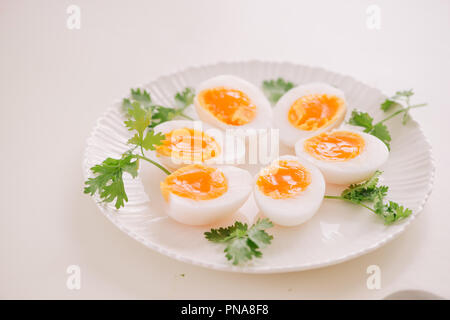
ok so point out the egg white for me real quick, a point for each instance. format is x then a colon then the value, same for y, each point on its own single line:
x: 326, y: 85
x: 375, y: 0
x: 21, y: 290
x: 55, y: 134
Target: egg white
x: 372, y: 157
x: 226, y: 155
x: 289, y: 134
x: 263, y: 117
x: 296, y: 210
x: 202, y: 212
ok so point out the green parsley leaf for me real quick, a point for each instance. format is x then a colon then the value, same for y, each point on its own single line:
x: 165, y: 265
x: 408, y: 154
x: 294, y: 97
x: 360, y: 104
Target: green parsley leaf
x: 108, y: 180
x: 151, y: 140
x: 139, y: 118
x: 143, y: 97
x: 365, y: 191
x: 222, y: 234
x: 162, y: 114
x: 364, y: 120
x: 381, y: 132
x: 257, y: 234
x: 395, y: 212
x: 388, y: 104
x: 391, y: 211
x: 242, y: 243
x: 370, y: 192
x: 182, y: 100
x: 126, y: 104
x: 361, y: 119
x: 404, y: 93
x: 185, y: 98
x: 275, y: 89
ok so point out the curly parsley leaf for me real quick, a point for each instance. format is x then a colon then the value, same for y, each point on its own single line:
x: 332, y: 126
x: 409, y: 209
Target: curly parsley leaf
x: 242, y: 243
x: 275, y: 89
x: 369, y: 192
x: 365, y: 191
x: 394, y: 212
x: 108, y: 180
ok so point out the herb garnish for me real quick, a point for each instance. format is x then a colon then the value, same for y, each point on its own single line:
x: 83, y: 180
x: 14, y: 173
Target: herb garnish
x: 275, y: 89
x: 142, y: 115
x: 369, y: 192
x: 379, y: 129
x: 242, y: 243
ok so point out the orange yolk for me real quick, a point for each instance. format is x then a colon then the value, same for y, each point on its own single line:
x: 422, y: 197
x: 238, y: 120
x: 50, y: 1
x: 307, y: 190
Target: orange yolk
x: 229, y: 106
x: 314, y: 111
x: 189, y: 144
x: 284, y: 180
x: 335, y: 146
x: 196, y: 182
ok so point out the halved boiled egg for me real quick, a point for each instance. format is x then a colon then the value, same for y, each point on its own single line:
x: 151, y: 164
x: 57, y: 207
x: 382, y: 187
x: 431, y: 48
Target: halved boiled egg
x: 230, y: 102
x: 289, y: 191
x: 307, y: 110
x: 197, y: 194
x: 343, y: 156
x: 188, y: 142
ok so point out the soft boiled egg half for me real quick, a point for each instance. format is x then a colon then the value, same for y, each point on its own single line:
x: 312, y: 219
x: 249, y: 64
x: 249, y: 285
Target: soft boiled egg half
x: 343, y: 156
x: 307, y: 110
x: 230, y: 102
x: 197, y: 194
x: 189, y: 142
x: 289, y: 191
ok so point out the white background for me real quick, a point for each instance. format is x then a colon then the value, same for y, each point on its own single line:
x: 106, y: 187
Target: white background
x: 55, y: 82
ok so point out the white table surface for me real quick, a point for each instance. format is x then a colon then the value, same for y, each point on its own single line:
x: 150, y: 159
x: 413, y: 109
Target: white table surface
x: 55, y: 83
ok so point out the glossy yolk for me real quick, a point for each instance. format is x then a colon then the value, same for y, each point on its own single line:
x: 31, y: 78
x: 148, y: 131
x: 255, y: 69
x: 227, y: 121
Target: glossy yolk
x: 229, y: 106
x: 189, y: 144
x: 335, y: 146
x: 314, y: 111
x: 284, y: 180
x: 196, y: 182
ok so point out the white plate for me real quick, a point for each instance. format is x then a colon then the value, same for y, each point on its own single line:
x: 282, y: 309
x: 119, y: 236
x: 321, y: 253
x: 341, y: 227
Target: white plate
x: 338, y: 232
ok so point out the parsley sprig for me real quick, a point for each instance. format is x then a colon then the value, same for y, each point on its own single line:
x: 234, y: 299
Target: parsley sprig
x: 276, y: 88
x: 182, y: 100
x: 108, y: 176
x: 368, y: 192
x: 379, y: 129
x: 242, y: 243
x: 160, y: 113
x: 142, y: 116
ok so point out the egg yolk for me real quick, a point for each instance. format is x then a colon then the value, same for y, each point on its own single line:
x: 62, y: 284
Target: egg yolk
x: 196, y: 182
x: 188, y: 144
x: 314, y: 111
x: 335, y: 146
x: 284, y: 180
x: 229, y: 106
